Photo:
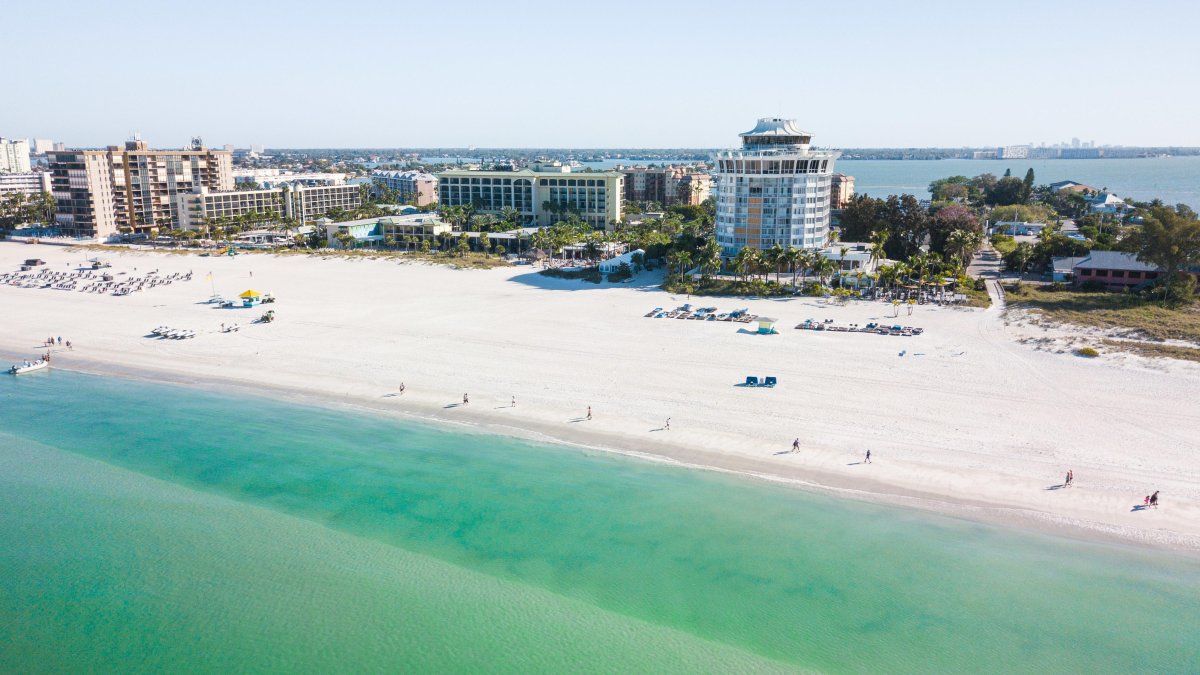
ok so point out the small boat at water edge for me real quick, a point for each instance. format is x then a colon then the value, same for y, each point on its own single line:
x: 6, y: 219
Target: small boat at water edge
x: 29, y: 367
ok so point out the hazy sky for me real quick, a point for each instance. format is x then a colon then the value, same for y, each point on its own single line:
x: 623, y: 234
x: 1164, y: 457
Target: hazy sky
x: 600, y: 74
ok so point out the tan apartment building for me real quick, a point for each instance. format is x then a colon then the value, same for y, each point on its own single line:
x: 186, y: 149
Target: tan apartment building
x: 103, y: 192
x: 413, y: 187
x: 667, y: 185
x: 594, y: 196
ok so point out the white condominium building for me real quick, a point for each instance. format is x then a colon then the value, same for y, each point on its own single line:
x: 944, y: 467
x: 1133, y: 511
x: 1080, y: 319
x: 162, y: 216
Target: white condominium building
x: 14, y: 156
x: 30, y: 184
x: 775, y: 189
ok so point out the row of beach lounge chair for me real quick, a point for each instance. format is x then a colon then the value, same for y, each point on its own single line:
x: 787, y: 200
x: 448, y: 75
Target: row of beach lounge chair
x: 877, y: 329
x: 701, y: 314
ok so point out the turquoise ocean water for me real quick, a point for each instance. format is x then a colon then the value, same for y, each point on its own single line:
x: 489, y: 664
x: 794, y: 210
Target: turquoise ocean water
x: 149, y: 527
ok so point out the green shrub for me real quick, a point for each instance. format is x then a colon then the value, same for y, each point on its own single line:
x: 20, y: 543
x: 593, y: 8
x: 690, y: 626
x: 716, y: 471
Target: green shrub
x: 623, y: 272
x: 1087, y: 352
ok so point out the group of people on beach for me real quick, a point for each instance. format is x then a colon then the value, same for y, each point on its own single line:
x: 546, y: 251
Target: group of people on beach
x: 51, y: 341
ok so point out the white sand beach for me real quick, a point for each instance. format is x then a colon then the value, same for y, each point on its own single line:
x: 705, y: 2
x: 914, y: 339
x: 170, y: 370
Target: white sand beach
x: 968, y: 421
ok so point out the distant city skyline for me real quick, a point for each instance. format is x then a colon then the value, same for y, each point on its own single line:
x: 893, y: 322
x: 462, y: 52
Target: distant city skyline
x: 543, y: 74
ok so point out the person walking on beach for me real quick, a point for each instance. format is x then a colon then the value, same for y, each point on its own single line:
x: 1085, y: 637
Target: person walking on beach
x: 589, y: 412
x: 1146, y: 503
x: 1154, y: 499
x: 514, y: 402
x: 401, y: 388
x: 667, y: 426
x: 796, y: 445
x: 465, y: 399
x: 867, y: 459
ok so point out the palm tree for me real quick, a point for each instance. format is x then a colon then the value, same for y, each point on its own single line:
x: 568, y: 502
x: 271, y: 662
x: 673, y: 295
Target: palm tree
x: 775, y: 257
x: 792, y: 256
x: 685, y: 262
x: 710, y: 257
x: 805, y: 262
x: 511, y: 215
x: 746, y: 261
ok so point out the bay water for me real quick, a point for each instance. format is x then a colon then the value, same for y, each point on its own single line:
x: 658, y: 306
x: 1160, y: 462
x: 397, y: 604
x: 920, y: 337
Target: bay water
x: 152, y: 528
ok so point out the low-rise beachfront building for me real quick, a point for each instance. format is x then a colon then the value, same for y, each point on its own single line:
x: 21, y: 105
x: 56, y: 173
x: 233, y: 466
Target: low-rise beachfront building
x: 543, y: 194
x: 303, y: 203
x: 28, y: 183
x: 306, y: 203
x: 203, y: 207
x: 774, y: 190
x: 407, y: 231
x: 1106, y: 202
x: 1114, y: 269
x: 854, y: 260
x: 413, y: 187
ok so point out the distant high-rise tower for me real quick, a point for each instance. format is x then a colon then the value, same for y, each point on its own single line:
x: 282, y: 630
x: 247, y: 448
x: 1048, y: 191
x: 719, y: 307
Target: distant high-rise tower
x: 14, y: 155
x: 775, y: 189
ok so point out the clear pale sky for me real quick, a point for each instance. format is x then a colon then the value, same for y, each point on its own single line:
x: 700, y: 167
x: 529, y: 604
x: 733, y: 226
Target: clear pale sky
x: 600, y: 74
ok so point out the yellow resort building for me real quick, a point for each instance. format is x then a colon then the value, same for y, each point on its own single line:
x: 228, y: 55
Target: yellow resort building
x: 543, y: 194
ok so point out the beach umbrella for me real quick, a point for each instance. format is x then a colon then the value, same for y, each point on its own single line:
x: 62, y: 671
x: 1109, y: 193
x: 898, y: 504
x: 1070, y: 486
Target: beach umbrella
x: 250, y: 294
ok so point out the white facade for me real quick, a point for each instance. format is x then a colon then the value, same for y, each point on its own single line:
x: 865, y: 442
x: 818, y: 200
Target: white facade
x: 14, y: 156
x: 775, y: 189
x: 26, y: 183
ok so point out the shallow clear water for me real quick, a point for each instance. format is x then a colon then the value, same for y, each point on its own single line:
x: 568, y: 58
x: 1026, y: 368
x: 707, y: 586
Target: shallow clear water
x: 149, y: 526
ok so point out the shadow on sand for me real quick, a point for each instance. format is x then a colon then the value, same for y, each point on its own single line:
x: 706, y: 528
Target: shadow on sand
x: 645, y: 281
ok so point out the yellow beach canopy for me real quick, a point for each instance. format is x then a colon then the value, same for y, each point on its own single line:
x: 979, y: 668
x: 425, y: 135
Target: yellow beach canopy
x: 250, y: 294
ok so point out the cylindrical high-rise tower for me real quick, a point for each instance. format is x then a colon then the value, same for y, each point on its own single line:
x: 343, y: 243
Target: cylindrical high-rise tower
x: 774, y: 190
